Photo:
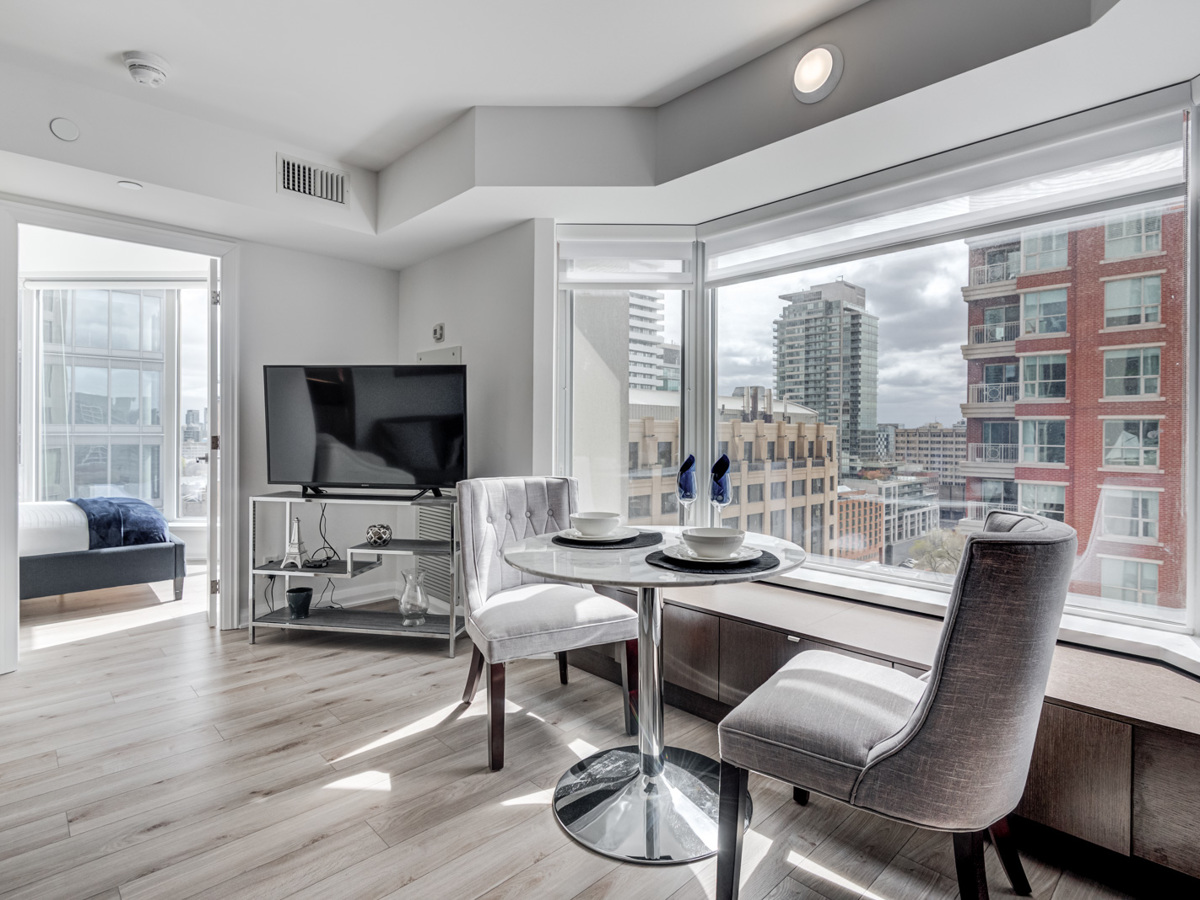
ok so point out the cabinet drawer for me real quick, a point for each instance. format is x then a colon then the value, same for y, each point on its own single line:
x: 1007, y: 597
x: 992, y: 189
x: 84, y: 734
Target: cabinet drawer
x: 691, y: 642
x: 751, y: 654
x: 1079, y: 777
x: 1166, y: 796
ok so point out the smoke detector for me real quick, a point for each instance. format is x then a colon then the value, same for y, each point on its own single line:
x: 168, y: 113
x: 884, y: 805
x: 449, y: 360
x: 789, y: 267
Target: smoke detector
x: 146, y: 68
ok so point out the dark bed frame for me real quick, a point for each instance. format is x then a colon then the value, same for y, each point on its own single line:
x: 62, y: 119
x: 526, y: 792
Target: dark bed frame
x: 90, y: 570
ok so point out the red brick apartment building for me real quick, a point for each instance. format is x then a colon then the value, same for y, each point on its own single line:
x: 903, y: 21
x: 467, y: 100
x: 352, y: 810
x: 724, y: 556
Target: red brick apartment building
x: 1075, y: 400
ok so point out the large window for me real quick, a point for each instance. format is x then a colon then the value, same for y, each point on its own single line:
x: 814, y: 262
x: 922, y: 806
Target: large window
x: 1131, y: 373
x: 1045, y: 376
x: 1044, y: 441
x: 121, y: 377
x: 1045, y: 312
x: 1132, y: 301
x: 854, y: 341
x: 1045, y: 250
x: 1133, y: 235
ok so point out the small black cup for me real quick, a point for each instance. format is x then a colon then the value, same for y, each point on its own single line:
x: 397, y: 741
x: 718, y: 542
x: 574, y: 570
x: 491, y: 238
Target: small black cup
x: 298, y: 600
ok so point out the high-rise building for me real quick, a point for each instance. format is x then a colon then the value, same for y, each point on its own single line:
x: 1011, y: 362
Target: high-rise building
x: 672, y: 376
x: 1075, y: 399
x: 827, y: 358
x: 646, y: 339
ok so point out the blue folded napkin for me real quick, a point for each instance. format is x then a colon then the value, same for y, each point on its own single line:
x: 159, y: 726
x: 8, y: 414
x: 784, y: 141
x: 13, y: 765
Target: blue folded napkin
x: 720, y: 481
x: 686, y: 480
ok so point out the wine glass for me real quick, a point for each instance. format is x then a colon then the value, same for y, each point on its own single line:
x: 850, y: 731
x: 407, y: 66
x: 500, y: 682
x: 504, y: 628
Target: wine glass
x: 686, y: 487
x: 720, y: 493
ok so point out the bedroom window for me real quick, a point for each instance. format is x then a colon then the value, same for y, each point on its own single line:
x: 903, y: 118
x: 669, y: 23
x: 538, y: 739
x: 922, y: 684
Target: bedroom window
x: 119, y: 374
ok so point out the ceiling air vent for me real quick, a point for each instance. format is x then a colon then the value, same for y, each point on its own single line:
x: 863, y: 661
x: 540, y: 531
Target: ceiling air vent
x: 307, y: 178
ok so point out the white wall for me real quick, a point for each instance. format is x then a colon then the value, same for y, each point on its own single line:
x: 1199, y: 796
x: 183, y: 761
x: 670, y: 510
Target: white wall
x: 297, y: 308
x: 491, y: 298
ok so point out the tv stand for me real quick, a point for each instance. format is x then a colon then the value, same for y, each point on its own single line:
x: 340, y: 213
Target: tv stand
x: 380, y: 617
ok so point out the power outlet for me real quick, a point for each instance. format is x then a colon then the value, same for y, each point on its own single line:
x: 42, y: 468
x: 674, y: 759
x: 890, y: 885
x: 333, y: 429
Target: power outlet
x: 439, y: 332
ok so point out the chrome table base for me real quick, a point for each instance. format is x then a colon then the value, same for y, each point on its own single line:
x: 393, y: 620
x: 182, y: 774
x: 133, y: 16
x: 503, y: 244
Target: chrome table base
x: 608, y: 805
x: 650, y: 803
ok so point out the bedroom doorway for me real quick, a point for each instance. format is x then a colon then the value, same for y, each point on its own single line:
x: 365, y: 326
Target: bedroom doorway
x: 119, y: 387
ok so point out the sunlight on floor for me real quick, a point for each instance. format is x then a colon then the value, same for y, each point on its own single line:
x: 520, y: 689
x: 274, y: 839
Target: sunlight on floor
x: 582, y: 748
x: 442, y: 716
x: 54, y: 634
x: 539, y: 798
x: 363, y: 781
x: 830, y: 876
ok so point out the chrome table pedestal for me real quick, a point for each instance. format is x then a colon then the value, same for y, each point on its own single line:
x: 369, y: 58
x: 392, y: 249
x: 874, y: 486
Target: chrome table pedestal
x: 649, y: 803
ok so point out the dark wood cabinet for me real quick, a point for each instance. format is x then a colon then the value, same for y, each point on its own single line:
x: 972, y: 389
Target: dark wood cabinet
x: 691, y: 650
x: 1166, y: 799
x: 750, y: 655
x: 1079, y: 777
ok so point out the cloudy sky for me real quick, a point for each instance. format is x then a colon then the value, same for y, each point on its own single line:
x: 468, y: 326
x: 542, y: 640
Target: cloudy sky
x: 917, y: 295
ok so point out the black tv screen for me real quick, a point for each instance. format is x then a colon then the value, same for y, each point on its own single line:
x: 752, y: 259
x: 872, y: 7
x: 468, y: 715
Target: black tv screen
x: 366, y: 426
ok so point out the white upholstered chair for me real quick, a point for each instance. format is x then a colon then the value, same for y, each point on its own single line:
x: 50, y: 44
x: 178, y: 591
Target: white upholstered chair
x: 950, y: 753
x: 511, y: 615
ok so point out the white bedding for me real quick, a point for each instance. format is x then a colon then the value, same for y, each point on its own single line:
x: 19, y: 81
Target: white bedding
x: 56, y: 526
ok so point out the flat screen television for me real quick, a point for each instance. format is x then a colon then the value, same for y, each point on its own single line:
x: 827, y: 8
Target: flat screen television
x: 383, y: 427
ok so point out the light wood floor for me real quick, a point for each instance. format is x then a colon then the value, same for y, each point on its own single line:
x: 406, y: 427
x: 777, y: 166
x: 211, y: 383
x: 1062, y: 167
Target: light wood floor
x: 143, y: 755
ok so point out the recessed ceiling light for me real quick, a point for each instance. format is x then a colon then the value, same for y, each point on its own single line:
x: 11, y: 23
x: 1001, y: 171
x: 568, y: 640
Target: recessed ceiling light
x: 64, y: 129
x: 129, y: 185
x: 817, y: 73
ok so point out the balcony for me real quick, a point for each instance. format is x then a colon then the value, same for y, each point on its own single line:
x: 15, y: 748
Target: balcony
x: 991, y: 399
x: 977, y: 511
x: 995, y: 334
x: 990, y: 460
x: 994, y: 453
x: 1001, y: 271
x: 1008, y: 392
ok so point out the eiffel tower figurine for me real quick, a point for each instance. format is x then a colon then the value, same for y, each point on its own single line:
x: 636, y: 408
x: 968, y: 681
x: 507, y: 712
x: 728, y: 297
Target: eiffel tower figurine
x: 296, y: 555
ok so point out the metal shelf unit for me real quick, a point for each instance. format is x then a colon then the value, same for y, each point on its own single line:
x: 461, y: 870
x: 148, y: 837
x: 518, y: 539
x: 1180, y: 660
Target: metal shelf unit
x: 359, y: 558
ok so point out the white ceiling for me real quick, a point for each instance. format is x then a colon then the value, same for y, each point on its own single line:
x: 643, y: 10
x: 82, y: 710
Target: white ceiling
x: 364, y: 81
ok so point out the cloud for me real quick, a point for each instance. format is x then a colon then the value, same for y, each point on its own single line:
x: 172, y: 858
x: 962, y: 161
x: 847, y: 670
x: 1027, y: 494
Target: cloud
x: 917, y: 295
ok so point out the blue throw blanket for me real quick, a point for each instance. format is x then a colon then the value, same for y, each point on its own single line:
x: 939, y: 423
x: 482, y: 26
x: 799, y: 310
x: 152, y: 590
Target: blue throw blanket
x: 122, y: 522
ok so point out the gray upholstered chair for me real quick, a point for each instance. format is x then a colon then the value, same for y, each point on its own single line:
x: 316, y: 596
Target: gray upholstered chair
x: 511, y: 615
x: 950, y: 753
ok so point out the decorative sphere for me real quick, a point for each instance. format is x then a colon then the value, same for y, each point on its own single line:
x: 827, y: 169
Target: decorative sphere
x: 379, y: 535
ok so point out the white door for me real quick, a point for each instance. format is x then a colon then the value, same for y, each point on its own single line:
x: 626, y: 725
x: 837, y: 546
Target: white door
x: 214, y: 452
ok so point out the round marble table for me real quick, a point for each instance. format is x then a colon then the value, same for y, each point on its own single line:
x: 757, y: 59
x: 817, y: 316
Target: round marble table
x: 650, y: 803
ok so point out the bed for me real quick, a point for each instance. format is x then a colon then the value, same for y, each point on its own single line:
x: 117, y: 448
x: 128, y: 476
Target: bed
x: 54, y: 541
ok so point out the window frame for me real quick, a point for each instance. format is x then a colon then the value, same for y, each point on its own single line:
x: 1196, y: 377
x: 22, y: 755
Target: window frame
x: 1036, y: 389
x: 917, y: 597
x: 1142, y: 306
x: 1140, y: 378
x: 1040, y: 445
x: 1041, y: 316
x: 1142, y: 235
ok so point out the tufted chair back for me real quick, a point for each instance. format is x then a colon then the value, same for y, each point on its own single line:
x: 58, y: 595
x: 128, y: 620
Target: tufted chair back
x: 496, y: 512
x: 960, y: 762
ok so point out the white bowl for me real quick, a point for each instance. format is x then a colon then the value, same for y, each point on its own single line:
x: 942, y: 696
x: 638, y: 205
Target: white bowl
x: 714, y: 542
x: 595, y: 524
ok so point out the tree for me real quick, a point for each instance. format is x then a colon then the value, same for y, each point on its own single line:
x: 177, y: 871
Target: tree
x: 939, y: 551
